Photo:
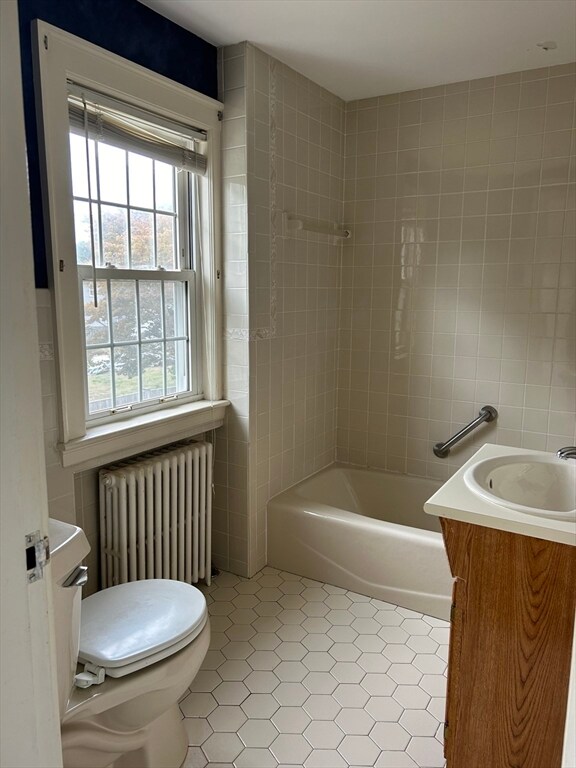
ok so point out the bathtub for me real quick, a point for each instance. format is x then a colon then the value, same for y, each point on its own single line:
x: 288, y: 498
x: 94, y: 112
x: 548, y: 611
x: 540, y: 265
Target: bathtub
x: 366, y: 531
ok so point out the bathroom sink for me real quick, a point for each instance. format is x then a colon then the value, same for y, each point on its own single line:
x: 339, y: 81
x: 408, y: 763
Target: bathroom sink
x: 537, y: 484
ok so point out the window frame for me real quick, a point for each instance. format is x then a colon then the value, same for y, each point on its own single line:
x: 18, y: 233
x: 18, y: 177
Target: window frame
x: 60, y: 57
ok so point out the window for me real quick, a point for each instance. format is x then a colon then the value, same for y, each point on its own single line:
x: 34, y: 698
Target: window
x: 131, y: 164
x: 135, y: 219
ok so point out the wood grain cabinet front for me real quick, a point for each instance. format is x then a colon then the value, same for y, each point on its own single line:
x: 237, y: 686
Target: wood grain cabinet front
x: 510, y: 648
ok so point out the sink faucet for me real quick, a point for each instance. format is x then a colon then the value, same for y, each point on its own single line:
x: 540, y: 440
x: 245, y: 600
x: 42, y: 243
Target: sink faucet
x: 567, y: 453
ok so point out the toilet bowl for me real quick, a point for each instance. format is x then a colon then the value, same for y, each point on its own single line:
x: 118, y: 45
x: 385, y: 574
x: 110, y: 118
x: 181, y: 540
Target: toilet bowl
x: 137, y: 647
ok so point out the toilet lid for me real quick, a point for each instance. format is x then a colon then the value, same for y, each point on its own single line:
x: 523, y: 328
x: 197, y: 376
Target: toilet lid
x: 130, y: 622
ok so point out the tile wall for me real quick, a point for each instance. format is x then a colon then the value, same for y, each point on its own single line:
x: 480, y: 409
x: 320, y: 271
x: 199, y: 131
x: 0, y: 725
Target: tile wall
x: 458, y: 287
x: 283, y: 140
x: 230, y: 519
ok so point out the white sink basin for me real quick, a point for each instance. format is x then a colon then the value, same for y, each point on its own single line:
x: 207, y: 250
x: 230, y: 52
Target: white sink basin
x: 538, y: 484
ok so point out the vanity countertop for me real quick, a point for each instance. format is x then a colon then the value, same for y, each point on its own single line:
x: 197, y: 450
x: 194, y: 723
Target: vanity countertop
x: 456, y: 501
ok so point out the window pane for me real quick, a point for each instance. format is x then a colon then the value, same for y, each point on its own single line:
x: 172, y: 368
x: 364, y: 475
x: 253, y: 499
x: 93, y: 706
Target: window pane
x: 78, y: 165
x: 151, y: 321
x: 124, y: 314
x: 82, y: 232
x: 165, y: 241
x: 141, y: 181
x: 175, y: 309
x: 176, y: 367
x: 98, y: 364
x: 115, y: 236
x: 164, y: 186
x: 78, y: 160
x: 152, y: 371
x: 142, y: 238
x: 126, y: 368
x: 96, y: 318
x: 112, y: 172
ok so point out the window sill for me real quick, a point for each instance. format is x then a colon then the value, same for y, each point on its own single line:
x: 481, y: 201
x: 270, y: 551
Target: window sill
x: 111, y: 442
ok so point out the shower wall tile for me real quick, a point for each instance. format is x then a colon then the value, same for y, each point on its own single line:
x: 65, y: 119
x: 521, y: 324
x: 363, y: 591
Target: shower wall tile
x: 458, y: 284
x: 285, y: 136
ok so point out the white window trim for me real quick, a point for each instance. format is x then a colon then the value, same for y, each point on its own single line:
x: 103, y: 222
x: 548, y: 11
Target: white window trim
x: 59, y: 57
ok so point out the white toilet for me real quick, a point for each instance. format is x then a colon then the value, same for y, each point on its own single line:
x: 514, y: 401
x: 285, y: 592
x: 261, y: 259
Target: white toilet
x: 145, y: 640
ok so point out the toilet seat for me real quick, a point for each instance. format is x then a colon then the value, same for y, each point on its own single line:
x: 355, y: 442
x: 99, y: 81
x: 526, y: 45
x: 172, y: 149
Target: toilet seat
x: 131, y: 626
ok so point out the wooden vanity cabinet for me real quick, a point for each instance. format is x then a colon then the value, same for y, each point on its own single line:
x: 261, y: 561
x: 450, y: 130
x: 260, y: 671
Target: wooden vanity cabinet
x: 512, y: 623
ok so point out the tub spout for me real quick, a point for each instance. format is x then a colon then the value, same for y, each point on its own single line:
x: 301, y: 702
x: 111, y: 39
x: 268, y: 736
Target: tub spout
x: 569, y: 452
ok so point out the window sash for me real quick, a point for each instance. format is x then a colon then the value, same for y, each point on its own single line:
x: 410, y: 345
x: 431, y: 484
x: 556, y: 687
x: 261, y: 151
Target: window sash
x: 192, y: 337
x: 184, y: 214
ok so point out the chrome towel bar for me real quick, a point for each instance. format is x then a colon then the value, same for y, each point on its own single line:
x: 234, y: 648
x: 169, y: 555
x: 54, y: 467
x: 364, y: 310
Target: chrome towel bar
x: 487, y: 413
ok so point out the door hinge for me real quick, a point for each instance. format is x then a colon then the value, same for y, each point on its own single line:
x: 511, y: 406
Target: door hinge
x: 452, y: 611
x: 445, y: 731
x: 37, y: 549
x: 220, y: 116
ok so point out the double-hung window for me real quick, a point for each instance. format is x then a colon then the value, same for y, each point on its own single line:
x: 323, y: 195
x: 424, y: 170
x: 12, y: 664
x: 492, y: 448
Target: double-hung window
x: 135, y: 221
x: 131, y: 176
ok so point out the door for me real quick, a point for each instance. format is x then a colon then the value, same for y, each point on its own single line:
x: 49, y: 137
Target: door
x: 29, y: 720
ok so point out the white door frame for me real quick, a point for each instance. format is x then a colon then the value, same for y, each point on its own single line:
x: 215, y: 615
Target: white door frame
x: 29, y: 716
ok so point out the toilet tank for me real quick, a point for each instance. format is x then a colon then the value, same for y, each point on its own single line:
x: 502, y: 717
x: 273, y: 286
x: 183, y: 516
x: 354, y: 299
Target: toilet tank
x: 68, y: 547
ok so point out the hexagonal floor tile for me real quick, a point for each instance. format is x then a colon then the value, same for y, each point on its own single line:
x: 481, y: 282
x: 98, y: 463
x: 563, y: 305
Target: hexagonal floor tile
x: 291, y: 651
x: 411, y: 697
x: 260, y: 705
x: 255, y: 758
x: 322, y: 707
x: 265, y: 641
x: 358, y: 750
x: 234, y: 670
x: 419, y: 722
x: 231, y: 693
x: 263, y: 660
x: 222, y: 747
x: 227, y: 719
x: 349, y: 695
x: 261, y: 682
x: 320, y: 682
x: 291, y: 694
x: 198, y: 705
x: 325, y: 758
x: 390, y: 736
x: 347, y: 672
x: 258, y: 733
x: 354, y: 722
x: 290, y: 748
x: 324, y: 734
x: 291, y: 671
x: 426, y: 751
x: 384, y: 709
x: 291, y: 720
x: 198, y: 730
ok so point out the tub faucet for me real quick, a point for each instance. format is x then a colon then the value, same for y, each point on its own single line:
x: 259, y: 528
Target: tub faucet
x: 567, y: 453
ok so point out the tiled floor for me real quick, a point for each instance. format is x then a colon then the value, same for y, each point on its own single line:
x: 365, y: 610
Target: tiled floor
x: 306, y: 674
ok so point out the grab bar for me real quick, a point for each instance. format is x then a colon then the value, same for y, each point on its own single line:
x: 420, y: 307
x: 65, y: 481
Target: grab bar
x: 487, y: 413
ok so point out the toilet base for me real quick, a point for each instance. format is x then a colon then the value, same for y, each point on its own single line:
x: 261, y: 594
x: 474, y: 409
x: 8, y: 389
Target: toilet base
x: 163, y: 743
x: 166, y: 744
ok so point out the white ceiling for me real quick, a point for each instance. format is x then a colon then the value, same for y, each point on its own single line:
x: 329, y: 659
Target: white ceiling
x: 362, y: 48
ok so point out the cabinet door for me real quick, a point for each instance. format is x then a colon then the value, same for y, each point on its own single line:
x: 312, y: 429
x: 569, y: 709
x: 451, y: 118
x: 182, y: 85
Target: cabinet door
x: 510, y: 649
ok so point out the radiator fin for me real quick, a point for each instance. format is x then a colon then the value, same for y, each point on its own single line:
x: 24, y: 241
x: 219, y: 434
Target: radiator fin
x: 156, y: 516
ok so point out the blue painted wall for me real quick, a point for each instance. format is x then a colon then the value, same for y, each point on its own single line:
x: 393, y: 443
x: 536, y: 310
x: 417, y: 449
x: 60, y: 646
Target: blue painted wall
x: 124, y: 27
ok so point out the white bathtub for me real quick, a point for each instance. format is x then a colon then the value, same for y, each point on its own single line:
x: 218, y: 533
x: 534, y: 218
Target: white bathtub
x: 366, y: 531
